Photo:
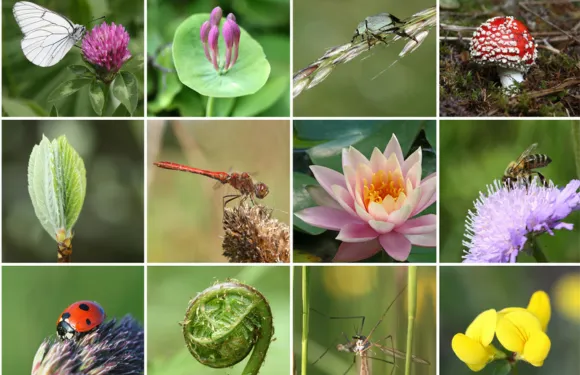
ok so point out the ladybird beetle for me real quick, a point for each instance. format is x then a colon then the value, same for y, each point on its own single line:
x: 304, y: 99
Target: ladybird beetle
x: 79, y: 318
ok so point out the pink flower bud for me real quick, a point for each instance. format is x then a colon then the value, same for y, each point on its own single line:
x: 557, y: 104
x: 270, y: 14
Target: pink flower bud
x: 203, y: 35
x: 215, y: 16
x: 213, y: 38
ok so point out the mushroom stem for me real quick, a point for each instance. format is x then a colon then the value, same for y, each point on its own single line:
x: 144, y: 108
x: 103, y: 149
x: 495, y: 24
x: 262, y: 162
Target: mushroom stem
x: 509, y: 76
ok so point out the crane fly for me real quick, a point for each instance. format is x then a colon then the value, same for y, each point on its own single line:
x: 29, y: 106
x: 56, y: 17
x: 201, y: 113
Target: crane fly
x: 361, y: 345
x: 242, y: 182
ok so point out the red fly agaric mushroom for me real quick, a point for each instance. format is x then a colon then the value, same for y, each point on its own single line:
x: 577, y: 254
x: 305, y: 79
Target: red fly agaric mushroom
x: 506, y: 43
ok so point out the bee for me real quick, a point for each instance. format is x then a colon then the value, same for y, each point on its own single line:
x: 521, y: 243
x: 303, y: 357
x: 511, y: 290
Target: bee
x: 523, y: 168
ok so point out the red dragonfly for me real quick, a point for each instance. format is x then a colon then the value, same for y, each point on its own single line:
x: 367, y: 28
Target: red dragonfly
x: 239, y: 181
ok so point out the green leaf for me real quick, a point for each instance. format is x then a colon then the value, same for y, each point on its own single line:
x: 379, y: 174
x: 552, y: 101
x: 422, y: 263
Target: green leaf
x: 56, y: 184
x: 502, y: 367
x: 188, y: 102
x: 431, y: 133
x: 126, y: 90
x: 53, y: 111
x: 121, y: 111
x: 168, y: 84
x: 134, y: 64
x: 251, y: 105
x: 67, y: 88
x: 97, y: 96
x: 247, y: 76
x: 21, y: 108
x: 302, y: 200
x: 79, y: 70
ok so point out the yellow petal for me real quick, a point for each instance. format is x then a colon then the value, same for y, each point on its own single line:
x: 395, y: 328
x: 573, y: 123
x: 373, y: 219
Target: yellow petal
x: 476, y: 368
x: 482, y: 328
x: 567, y: 296
x: 537, y: 348
x: 514, y: 329
x: 470, y: 351
x: 540, y: 306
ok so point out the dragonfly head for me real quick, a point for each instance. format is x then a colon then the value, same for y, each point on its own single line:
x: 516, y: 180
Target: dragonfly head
x: 261, y: 190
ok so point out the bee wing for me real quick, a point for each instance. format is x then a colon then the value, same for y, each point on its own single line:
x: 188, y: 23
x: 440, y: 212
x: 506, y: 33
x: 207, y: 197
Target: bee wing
x: 526, y: 153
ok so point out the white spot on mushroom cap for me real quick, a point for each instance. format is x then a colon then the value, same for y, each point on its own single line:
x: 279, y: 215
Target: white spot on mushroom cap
x: 494, y: 44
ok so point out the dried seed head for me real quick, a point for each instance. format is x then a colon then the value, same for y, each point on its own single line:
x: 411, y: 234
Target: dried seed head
x: 252, y: 236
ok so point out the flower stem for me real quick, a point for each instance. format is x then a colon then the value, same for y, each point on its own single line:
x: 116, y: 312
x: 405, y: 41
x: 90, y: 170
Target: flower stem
x: 576, y: 143
x: 411, y: 307
x: 537, y: 252
x: 209, y: 107
x: 305, y: 317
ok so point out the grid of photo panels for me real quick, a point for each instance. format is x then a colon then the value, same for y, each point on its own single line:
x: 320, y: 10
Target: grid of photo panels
x: 290, y: 187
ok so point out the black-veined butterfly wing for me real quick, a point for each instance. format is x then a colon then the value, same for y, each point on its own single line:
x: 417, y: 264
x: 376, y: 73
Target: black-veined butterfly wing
x: 48, y: 36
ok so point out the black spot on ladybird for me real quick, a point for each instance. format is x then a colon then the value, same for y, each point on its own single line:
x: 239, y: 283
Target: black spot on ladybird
x: 84, y: 307
x: 66, y: 315
x: 88, y: 322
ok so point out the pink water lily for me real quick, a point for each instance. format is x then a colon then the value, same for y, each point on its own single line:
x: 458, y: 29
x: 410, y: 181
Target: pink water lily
x: 374, y: 203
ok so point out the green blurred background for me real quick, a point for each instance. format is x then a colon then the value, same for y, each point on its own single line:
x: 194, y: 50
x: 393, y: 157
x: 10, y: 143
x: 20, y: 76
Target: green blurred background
x: 368, y: 291
x: 185, y: 210
x: 25, y: 86
x: 321, y: 143
x: 474, y: 153
x: 267, y: 21
x: 110, y: 226
x: 34, y: 297
x: 168, y: 293
x: 406, y: 89
x: 468, y: 291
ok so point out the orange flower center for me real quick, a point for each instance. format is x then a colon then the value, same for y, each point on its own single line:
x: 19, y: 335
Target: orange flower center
x: 382, y: 185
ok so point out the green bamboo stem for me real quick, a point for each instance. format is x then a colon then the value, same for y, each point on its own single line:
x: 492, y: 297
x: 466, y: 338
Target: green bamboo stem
x: 411, y: 307
x: 305, y: 316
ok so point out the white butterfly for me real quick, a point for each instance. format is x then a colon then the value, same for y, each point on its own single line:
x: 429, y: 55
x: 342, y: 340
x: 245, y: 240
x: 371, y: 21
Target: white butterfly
x: 48, y: 36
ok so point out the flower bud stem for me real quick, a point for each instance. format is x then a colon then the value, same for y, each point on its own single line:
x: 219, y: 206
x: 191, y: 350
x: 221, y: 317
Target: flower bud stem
x: 209, y: 107
x: 537, y: 252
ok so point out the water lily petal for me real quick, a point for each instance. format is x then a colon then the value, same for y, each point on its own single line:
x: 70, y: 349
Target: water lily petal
x: 428, y: 193
x: 381, y: 226
x: 419, y: 225
x: 423, y: 240
x: 362, y: 212
x: 400, y: 216
x: 394, y: 148
x: 356, y: 232
x: 321, y: 197
x: 326, y: 217
x: 378, y: 212
x: 389, y: 204
x: 353, y: 158
x: 414, y: 175
x: 378, y: 161
x: 396, y: 245
x: 355, y: 251
x: 327, y: 177
x: 344, y: 199
x: 415, y: 158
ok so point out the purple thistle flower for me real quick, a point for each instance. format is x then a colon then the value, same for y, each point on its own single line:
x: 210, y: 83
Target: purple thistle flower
x: 203, y: 35
x: 505, y: 219
x: 105, y: 48
x: 116, y: 347
x: 213, y: 38
x: 216, y: 16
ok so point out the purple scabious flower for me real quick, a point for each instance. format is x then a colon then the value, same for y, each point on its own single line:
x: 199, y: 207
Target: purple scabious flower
x: 506, y: 218
x: 115, y: 348
x: 105, y: 48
